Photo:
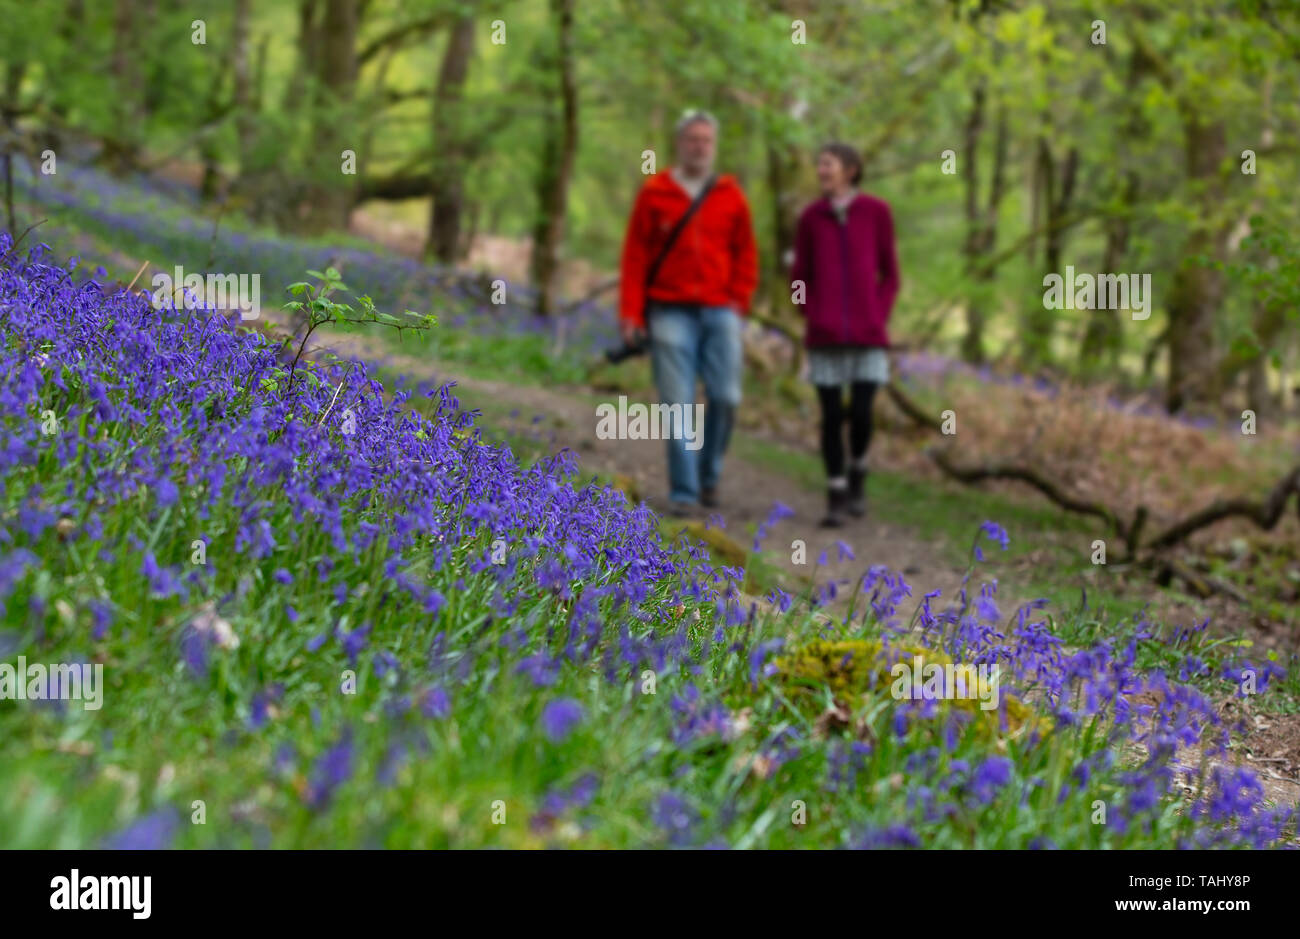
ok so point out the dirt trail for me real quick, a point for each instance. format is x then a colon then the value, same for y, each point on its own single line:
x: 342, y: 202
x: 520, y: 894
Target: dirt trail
x: 747, y: 492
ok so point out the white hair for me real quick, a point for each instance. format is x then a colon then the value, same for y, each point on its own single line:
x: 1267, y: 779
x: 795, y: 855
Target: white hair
x: 694, y: 116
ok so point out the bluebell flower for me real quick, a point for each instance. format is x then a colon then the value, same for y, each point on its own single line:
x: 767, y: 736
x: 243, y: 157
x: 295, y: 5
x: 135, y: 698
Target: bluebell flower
x: 560, y: 717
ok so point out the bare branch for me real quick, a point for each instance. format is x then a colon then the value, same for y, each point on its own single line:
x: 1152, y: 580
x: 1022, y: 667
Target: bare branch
x: 401, y: 34
x: 399, y: 186
x: 1034, y: 478
x: 603, y: 287
x: 912, y: 409
x: 1265, y: 514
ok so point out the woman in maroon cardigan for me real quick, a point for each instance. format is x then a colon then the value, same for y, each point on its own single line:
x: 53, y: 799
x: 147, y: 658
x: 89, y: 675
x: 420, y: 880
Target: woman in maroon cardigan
x: 845, y: 279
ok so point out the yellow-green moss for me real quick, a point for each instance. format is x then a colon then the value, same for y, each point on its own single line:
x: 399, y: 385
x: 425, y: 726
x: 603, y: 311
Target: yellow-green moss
x: 720, y: 545
x: 851, y: 668
x: 627, y: 485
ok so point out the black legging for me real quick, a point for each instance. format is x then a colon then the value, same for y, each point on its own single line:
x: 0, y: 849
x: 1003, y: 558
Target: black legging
x: 831, y: 398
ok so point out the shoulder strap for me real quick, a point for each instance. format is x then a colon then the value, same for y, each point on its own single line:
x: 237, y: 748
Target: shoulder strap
x: 653, y: 270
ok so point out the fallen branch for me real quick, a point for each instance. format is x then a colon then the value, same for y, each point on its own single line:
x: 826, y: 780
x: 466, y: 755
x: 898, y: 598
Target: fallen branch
x: 1265, y: 514
x: 19, y: 240
x: 912, y: 409
x: 592, y: 294
x: 1133, y: 537
x: 1202, y: 585
x: 973, y: 474
x: 769, y: 323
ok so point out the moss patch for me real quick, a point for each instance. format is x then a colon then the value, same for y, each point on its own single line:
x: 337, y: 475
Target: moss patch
x: 854, y: 668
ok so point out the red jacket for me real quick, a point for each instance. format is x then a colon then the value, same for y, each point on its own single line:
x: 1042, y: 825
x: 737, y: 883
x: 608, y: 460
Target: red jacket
x: 714, y: 260
x: 849, y: 272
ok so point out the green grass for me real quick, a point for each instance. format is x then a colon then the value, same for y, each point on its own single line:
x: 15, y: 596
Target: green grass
x: 945, y: 513
x: 167, y: 739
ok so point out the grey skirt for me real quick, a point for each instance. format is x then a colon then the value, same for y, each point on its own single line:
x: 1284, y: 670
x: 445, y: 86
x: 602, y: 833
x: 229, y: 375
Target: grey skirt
x: 842, y: 365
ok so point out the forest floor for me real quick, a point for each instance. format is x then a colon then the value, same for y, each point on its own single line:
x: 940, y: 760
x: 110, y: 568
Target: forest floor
x: 761, y: 470
x: 565, y: 418
x: 919, y: 526
x: 557, y: 418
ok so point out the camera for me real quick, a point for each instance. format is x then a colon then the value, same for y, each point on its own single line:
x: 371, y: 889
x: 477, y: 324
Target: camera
x: 625, y: 351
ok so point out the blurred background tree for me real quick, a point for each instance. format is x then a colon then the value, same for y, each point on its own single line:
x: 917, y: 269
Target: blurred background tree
x: 1012, y: 137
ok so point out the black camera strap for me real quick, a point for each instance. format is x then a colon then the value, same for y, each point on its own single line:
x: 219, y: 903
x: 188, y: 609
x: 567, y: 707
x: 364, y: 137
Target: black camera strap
x: 653, y: 270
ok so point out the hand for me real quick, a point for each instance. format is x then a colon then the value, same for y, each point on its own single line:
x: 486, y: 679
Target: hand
x: 633, y: 334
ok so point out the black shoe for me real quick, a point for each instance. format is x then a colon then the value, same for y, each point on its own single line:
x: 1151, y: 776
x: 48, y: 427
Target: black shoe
x: 709, y: 497
x: 857, y: 497
x: 837, y: 501
x: 683, y: 510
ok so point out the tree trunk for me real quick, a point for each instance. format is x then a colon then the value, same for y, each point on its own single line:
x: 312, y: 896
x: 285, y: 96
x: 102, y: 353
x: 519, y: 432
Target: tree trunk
x: 61, y: 98
x: 1053, y: 198
x: 327, y: 53
x: 784, y: 165
x: 1289, y: 386
x: 1196, y: 293
x: 447, y: 181
x: 307, y: 42
x: 337, y: 77
x: 1197, y: 289
x: 120, y: 143
x: 241, y: 68
x: 1058, y: 206
x: 1101, y: 339
x: 981, y: 222
x: 13, y: 85
x: 338, y: 48
x: 1258, y: 397
x: 557, y: 170
x: 1104, y: 333
x: 209, y: 146
x: 1269, y: 327
x: 972, y: 347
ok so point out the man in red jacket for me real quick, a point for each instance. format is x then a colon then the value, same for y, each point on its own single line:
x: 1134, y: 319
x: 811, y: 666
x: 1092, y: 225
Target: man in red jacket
x: 688, y: 285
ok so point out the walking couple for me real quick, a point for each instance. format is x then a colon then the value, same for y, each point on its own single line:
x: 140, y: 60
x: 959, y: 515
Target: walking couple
x: 689, y: 270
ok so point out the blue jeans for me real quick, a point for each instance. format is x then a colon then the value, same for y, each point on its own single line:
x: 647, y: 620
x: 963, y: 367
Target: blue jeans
x: 685, y: 346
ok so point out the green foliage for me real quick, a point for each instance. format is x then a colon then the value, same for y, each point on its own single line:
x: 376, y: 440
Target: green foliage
x: 319, y: 309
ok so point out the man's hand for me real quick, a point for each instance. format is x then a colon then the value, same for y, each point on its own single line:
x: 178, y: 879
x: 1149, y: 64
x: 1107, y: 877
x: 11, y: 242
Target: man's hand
x: 633, y: 335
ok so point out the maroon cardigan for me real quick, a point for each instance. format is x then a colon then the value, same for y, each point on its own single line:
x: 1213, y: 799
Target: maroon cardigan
x: 850, y: 273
